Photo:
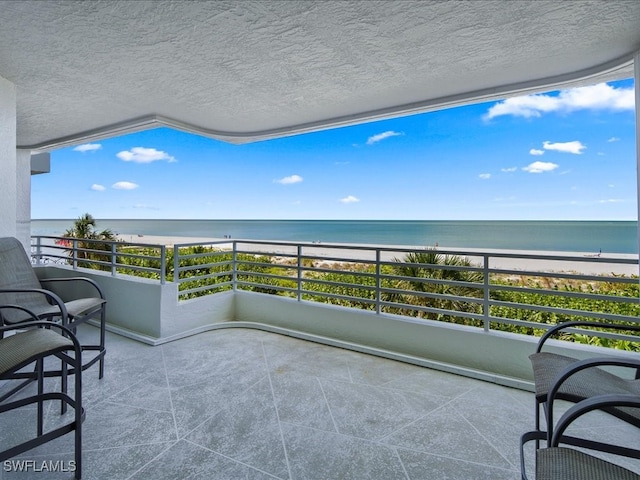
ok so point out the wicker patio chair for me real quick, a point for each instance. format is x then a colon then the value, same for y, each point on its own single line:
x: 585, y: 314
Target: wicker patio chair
x: 558, y: 377
x: 554, y: 462
x: 32, y: 343
x: 19, y: 285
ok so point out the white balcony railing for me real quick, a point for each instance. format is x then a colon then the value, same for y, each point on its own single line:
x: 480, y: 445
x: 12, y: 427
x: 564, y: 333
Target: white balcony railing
x: 491, y: 290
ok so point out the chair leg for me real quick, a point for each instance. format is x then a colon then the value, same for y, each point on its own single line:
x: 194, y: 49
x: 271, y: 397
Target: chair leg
x: 79, y: 415
x: 64, y: 385
x: 537, y: 422
x: 40, y: 380
x: 103, y: 319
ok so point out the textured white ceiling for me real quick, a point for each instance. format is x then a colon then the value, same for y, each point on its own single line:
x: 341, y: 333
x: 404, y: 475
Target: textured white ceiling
x: 247, y: 70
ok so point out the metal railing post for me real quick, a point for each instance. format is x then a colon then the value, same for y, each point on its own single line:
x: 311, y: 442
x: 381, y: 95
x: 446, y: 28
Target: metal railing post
x: 234, y: 265
x: 75, y: 254
x: 163, y: 264
x: 378, y: 281
x: 176, y: 264
x: 113, y: 260
x: 39, y: 251
x: 299, y: 272
x: 486, y: 287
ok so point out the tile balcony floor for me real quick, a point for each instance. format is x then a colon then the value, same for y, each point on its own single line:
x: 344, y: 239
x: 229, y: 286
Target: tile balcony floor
x: 246, y: 404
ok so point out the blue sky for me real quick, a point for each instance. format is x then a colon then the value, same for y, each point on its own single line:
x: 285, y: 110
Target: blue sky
x: 567, y: 155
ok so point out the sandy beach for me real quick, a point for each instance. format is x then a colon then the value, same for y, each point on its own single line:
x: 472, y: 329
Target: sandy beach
x: 595, y: 263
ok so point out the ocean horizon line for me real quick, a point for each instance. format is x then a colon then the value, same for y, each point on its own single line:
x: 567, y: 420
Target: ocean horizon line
x: 326, y: 220
x: 611, y: 236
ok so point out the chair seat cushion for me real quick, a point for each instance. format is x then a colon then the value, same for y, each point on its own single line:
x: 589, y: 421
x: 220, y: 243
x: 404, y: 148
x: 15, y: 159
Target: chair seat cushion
x: 74, y: 308
x: 84, y: 305
x: 568, y: 464
x: 18, y: 349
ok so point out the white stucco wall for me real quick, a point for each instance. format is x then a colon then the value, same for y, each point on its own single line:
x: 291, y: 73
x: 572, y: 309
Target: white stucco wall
x: 144, y: 309
x: 8, y: 180
x: 23, y: 197
x: 192, y: 316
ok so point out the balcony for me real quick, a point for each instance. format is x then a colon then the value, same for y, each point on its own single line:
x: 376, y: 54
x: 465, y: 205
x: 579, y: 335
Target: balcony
x: 249, y: 396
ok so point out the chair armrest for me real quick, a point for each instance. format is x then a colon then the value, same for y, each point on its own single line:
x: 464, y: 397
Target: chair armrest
x: 524, y: 439
x: 582, y: 323
x: 36, y: 322
x: 40, y: 324
x: 75, y: 279
x: 577, y: 367
x: 4, y: 328
x: 585, y: 406
x: 50, y: 296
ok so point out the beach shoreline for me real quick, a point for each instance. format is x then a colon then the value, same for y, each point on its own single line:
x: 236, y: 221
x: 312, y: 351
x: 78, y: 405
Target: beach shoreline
x: 593, y: 263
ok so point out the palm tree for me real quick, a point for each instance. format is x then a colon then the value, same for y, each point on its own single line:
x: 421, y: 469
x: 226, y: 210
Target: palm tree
x: 419, y: 269
x: 84, y: 228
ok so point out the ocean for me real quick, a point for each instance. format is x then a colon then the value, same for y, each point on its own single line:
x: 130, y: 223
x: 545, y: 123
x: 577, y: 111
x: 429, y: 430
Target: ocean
x: 558, y: 236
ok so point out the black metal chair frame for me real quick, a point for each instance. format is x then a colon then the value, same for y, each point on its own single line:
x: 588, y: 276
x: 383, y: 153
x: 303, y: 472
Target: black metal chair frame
x: 556, y: 392
x: 16, y: 371
x: 68, y: 320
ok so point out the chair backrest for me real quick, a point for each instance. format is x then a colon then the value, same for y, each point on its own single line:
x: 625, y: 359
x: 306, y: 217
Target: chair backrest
x: 16, y: 272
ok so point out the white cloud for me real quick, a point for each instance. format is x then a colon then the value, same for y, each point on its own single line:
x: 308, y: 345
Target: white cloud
x: 574, y: 147
x: 509, y: 169
x: 144, y: 155
x: 595, y: 97
x: 381, y: 136
x: 527, y: 106
x: 613, y: 139
x: 540, y: 167
x: 485, y: 176
x: 349, y: 199
x: 612, y: 200
x: 598, y: 97
x: 535, y: 151
x: 125, y: 186
x: 289, y: 180
x: 87, y: 147
x: 98, y: 188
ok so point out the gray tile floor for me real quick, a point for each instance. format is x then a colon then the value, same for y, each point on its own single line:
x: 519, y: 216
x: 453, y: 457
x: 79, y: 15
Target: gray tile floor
x: 245, y: 404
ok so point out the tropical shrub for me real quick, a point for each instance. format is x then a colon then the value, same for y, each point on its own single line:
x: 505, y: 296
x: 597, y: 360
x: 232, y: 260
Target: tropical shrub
x: 89, y: 243
x: 428, y: 284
